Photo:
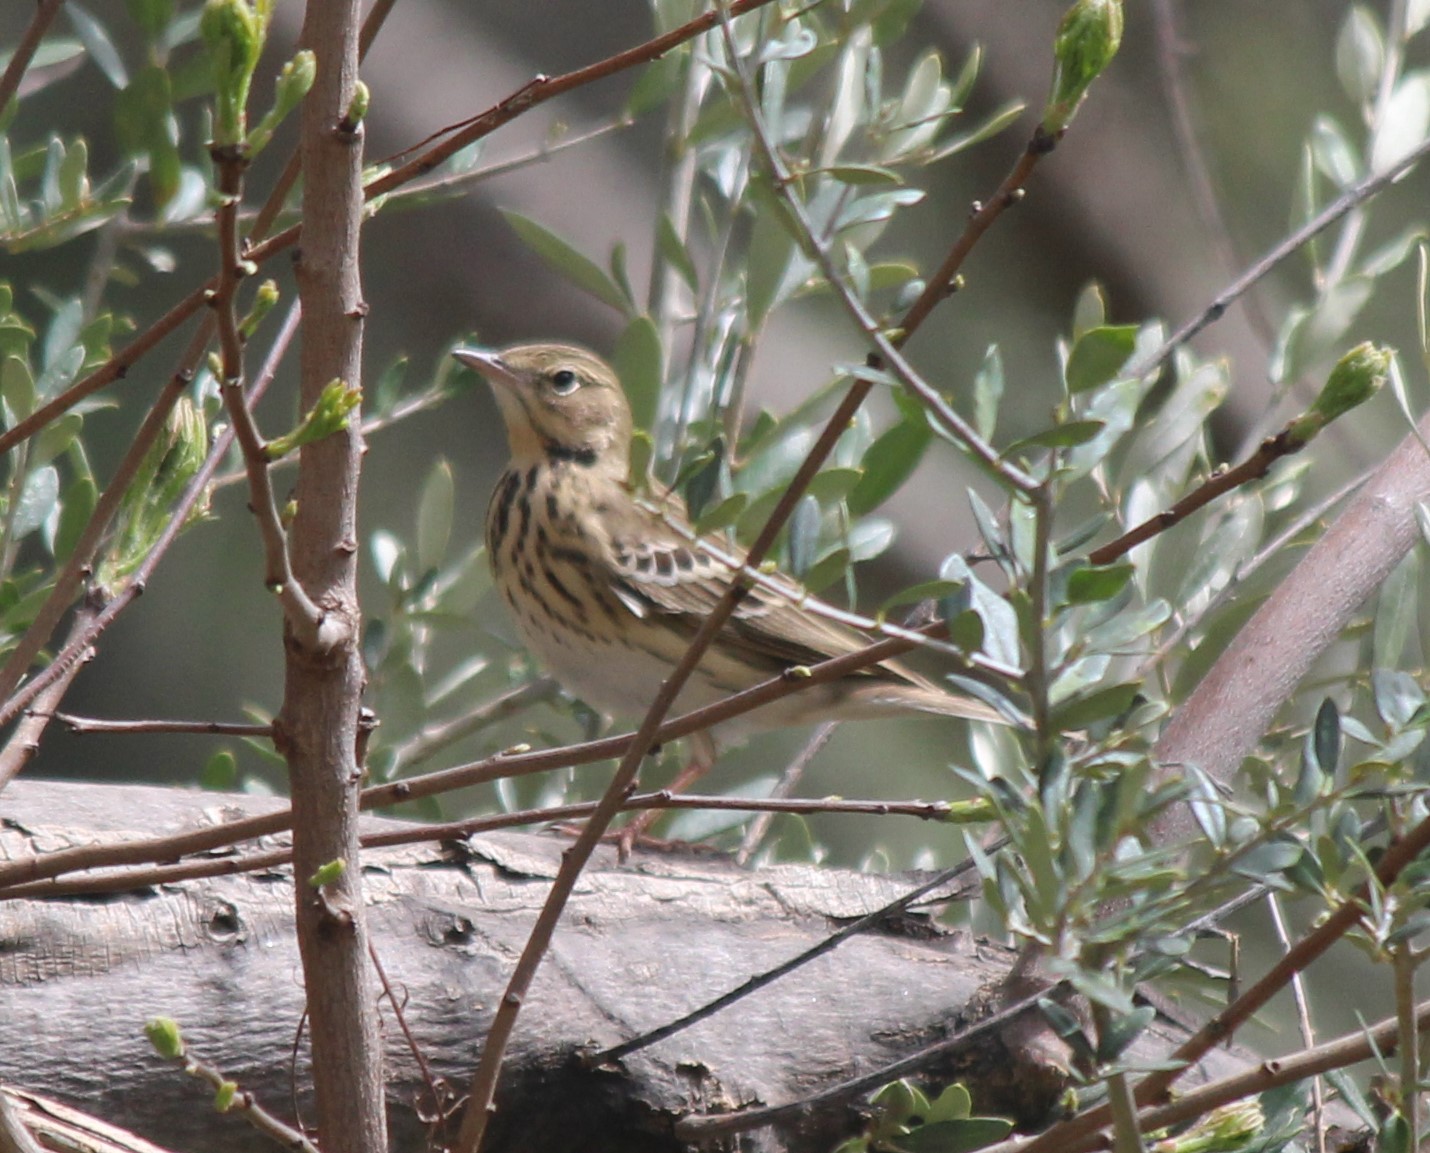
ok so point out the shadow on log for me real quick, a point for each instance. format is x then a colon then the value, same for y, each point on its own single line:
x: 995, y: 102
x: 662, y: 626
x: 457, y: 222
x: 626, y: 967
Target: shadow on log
x: 640, y: 944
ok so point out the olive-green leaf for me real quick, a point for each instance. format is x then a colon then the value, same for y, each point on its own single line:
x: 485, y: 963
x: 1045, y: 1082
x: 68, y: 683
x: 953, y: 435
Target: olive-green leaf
x: 1098, y: 356
x: 640, y: 365
x: 1091, y: 584
x: 561, y: 255
x: 890, y: 461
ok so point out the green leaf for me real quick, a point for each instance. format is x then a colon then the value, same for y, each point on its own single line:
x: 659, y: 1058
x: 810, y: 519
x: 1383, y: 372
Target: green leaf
x: 37, y: 500
x: 675, y: 252
x: 145, y: 126
x: 772, y: 253
x: 583, y: 272
x: 97, y: 42
x: 935, y: 590
x: 1099, y: 705
x: 220, y: 773
x: 870, y: 537
x: 656, y: 83
x: 963, y: 1136
x: 1069, y: 435
x: 988, y: 392
x: 80, y: 497
x: 1122, y: 1030
x: 1360, y: 54
x: 1098, y: 356
x: 888, y: 463
x: 639, y: 362
x: 152, y: 16
x: 723, y: 515
x: 434, y: 516
x: 804, y: 526
x: 1088, y: 585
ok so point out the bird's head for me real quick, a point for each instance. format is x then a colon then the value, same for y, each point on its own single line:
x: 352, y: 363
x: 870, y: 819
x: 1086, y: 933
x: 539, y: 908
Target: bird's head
x: 559, y: 402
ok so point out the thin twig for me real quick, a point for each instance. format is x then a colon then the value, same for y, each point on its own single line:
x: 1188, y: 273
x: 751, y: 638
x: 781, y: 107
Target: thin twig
x: 144, y: 876
x: 44, y: 16
x: 303, y: 616
x: 1222, y: 481
x: 433, y: 738
x: 1288, y: 246
x: 788, y: 782
x: 1303, y: 1017
x: 87, y: 725
x: 498, y: 767
x: 542, y: 88
x: 700, y: 1128
x: 24, y: 742
x: 828, y: 945
x: 246, y: 1105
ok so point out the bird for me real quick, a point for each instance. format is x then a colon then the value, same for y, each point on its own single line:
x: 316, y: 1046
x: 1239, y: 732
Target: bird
x: 607, y: 588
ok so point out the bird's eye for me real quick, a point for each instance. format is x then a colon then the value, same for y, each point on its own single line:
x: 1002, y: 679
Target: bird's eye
x: 564, y: 382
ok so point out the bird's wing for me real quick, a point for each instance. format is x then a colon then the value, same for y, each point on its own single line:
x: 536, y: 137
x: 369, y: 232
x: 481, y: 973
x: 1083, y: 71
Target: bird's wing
x: 658, y: 572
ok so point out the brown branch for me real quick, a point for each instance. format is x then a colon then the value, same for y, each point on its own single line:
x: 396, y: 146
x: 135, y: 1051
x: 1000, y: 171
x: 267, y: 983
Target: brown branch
x: 44, y: 16
x: 120, y: 880
x: 87, y: 725
x: 542, y: 88
x: 24, y: 742
x: 1221, y: 482
x: 318, y: 728
x: 502, y: 765
x: 702, y: 1128
x: 303, y: 616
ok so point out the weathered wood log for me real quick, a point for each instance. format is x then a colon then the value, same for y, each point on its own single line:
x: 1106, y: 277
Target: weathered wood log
x: 640, y: 944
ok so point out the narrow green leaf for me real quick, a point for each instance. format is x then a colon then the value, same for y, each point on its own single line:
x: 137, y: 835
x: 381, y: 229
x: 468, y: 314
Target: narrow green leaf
x: 804, y: 527
x: 674, y: 251
x: 434, y: 515
x: 988, y: 392
x: 96, y: 40
x: 639, y: 362
x: 578, y: 268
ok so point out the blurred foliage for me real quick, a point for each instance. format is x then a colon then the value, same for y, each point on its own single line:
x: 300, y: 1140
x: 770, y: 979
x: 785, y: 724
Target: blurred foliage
x: 1094, y: 657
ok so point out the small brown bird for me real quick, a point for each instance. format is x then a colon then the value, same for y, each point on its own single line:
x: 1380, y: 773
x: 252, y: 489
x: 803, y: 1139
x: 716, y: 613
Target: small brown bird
x: 607, y: 594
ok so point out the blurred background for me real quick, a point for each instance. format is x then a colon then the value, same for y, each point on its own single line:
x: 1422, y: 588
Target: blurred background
x: 1179, y: 171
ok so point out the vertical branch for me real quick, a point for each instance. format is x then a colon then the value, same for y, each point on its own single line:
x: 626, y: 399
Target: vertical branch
x: 317, y: 727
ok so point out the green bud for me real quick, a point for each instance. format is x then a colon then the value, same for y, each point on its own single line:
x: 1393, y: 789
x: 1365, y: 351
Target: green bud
x: 1087, y: 41
x: 328, y: 416
x: 263, y: 301
x: 234, y: 34
x: 1357, y: 377
x: 328, y: 873
x: 293, y: 83
x: 163, y: 475
x: 1222, y: 1130
x: 224, y: 1096
x: 357, y: 107
x: 164, y: 1035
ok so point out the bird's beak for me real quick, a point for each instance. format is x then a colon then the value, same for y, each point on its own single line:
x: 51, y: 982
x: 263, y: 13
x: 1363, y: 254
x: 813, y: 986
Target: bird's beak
x: 488, y: 363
